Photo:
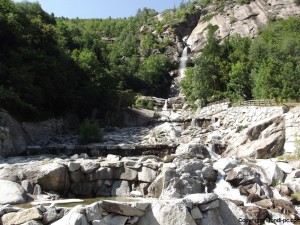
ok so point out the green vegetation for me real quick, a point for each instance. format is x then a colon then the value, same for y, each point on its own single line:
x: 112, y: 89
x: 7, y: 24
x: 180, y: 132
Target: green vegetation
x: 265, y: 68
x: 143, y: 103
x: 53, y: 66
x: 89, y: 132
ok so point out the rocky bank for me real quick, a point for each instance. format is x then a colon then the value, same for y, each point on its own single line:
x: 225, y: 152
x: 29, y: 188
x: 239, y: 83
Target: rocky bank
x: 221, y: 153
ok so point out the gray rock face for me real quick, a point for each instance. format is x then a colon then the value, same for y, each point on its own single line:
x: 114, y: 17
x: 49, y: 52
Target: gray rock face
x: 245, y: 20
x: 12, y: 137
x: 11, y: 193
x: 264, y: 139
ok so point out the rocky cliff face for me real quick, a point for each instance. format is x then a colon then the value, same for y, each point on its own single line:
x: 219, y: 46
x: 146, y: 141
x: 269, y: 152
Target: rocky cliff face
x: 245, y: 20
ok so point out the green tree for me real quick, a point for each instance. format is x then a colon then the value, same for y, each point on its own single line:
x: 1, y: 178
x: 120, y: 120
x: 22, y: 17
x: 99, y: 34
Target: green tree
x: 154, y: 72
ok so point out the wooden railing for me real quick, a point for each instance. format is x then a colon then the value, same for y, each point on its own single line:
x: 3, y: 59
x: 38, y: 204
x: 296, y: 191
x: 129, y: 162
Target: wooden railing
x: 267, y: 102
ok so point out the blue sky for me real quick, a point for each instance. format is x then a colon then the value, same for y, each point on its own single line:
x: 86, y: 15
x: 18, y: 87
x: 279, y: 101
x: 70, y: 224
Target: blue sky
x: 103, y: 8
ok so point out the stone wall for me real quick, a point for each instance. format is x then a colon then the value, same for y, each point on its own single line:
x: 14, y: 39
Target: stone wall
x: 197, y: 209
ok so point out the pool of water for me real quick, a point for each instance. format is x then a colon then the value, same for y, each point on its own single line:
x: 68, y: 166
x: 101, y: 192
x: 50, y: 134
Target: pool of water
x: 85, y: 201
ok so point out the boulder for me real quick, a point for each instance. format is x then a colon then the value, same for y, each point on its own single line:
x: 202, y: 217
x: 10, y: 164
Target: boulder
x: 125, y: 173
x: 196, y: 213
x: 73, y: 166
x: 87, y: 166
x: 193, y: 150
x: 137, y: 117
x: 264, y: 139
x: 103, y: 173
x: 94, y: 211
x: 225, y: 164
x: 111, y: 219
x: 8, y: 209
x: 163, y: 213
x: 211, y: 217
x: 198, y: 199
x: 28, y: 186
x: 50, y: 215
x: 11, y: 193
x: 242, y: 175
x: 121, y: 208
x: 209, y: 205
x: 53, y: 177
x: 265, y: 203
x: 120, y: 188
x: 188, y: 166
x: 147, y: 175
x: 230, y: 213
x: 271, y: 174
x: 13, y: 140
x: 284, y: 206
x: 16, y: 218
x: 156, y: 187
x: 256, y: 214
x: 74, y: 217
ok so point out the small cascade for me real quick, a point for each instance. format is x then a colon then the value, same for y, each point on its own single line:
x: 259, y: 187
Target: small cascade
x: 183, y: 62
x: 165, y: 107
x: 225, y: 191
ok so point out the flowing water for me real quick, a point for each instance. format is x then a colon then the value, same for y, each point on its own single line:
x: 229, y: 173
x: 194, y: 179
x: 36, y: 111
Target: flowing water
x: 165, y: 107
x: 183, y: 62
x: 225, y: 191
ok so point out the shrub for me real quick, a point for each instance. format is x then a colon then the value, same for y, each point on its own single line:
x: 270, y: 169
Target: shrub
x: 144, y: 103
x: 89, y: 132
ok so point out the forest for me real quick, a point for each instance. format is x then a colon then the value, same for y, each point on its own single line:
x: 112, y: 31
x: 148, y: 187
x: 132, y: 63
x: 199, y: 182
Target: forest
x: 53, y: 66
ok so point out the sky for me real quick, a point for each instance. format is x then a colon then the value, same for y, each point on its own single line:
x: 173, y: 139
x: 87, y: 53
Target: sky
x: 102, y: 8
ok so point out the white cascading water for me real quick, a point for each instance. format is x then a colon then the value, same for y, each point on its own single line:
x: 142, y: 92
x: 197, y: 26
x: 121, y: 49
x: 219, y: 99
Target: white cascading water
x: 165, y: 107
x: 225, y: 191
x: 183, y: 62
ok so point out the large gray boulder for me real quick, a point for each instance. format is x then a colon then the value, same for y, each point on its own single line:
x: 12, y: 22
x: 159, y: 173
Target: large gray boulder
x: 11, y: 193
x: 53, y: 177
x: 193, y: 150
x: 262, y: 140
x: 21, y: 217
x: 76, y: 216
x: 167, y: 213
x: 12, y: 136
x: 136, y: 117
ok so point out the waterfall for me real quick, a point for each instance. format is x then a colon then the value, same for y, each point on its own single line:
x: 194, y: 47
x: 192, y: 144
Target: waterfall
x: 183, y: 61
x: 175, y: 86
x: 165, y: 107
